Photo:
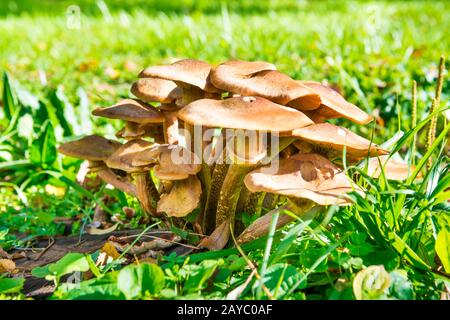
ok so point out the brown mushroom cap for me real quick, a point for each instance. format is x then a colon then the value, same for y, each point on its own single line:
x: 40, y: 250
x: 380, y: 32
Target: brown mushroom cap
x: 330, y: 136
x: 261, y: 79
x: 156, y: 90
x: 308, y: 176
x: 393, y: 169
x: 183, y: 72
x: 248, y: 113
x: 92, y: 148
x: 182, y: 198
x: 333, y: 105
x: 173, y: 162
x: 123, y: 157
x: 131, y: 110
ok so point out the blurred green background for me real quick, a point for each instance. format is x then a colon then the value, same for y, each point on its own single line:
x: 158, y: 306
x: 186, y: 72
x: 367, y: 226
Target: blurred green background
x: 369, y: 50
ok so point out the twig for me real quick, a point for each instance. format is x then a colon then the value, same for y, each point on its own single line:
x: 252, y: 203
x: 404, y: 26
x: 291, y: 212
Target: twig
x: 40, y: 254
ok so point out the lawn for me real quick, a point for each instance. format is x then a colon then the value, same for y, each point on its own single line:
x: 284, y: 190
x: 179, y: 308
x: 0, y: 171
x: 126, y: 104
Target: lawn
x: 63, y: 60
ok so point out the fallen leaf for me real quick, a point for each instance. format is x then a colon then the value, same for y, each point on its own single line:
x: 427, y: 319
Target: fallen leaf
x: 110, y: 250
x: 146, y: 260
x: 4, y: 254
x: 7, y: 265
x: 218, y: 239
x: 95, y: 231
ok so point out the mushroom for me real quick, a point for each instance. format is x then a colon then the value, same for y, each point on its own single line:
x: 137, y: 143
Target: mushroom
x: 244, y: 113
x: 307, y: 180
x: 172, y: 162
x: 156, y: 90
x: 135, y: 113
x: 333, y: 139
x: 393, y: 169
x: 333, y: 105
x: 96, y: 150
x: 192, y: 75
x: 122, y: 159
x: 182, y: 198
x: 261, y: 79
x: 177, y: 165
x: 167, y: 93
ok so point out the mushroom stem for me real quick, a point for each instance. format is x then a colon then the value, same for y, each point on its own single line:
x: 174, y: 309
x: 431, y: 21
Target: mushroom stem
x: 249, y: 203
x: 170, y: 127
x: 229, y: 194
x: 270, y: 201
x: 108, y: 176
x: 218, y: 176
x: 233, y: 183
x: 197, y: 149
x: 143, y: 192
x: 260, y: 227
x: 243, y: 199
x: 254, y: 203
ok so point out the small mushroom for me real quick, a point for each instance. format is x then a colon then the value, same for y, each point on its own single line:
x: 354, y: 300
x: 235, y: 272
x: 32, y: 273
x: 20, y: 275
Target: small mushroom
x: 167, y: 93
x: 172, y: 162
x: 135, y: 113
x: 307, y: 180
x: 156, y: 90
x: 334, y: 139
x: 182, y: 198
x: 96, y: 150
x: 261, y: 79
x: 192, y: 75
x: 333, y: 105
x: 122, y: 159
x: 393, y: 169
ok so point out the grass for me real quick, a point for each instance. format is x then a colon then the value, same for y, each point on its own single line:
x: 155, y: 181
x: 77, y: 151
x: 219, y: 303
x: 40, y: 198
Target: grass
x: 371, y: 51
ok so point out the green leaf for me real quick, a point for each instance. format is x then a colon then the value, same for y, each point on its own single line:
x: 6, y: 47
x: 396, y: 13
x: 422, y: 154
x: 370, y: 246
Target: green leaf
x: 442, y: 248
x: 406, y: 250
x: 71, y: 262
x: 197, y: 275
x: 400, y: 287
x: 104, y: 288
x: 8, y: 99
x: 309, y: 257
x: 286, y: 243
x: 279, y: 277
x: 43, y: 150
x: 11, y: 285
x: 25, y: 126
x: 136, y: 281
x: 63, y: 111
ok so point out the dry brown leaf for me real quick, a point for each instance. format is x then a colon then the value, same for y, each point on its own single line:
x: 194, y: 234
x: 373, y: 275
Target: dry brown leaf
x: 4, y: 254
x: 110, y: 250
x: 149, y: 260
x: 95, y: 231
x: 7, y: 265
x: 218, y: 239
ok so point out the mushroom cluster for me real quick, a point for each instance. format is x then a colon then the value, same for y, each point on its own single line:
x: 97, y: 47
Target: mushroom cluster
x: 210, y: 141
